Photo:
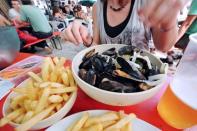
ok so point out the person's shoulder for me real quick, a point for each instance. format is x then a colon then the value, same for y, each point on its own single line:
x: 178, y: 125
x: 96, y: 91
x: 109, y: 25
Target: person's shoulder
x: 11, y: 10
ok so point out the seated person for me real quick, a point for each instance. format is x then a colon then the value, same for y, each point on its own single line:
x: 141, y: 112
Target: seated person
x: 38, y: 21
x: 68, y: 11
x: 78, y: 12
x: 188, y: 27
x: 14, y: 12
x: 57, y: 14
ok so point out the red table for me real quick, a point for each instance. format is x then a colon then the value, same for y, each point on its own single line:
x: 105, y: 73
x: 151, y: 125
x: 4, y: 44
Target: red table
x: 146, y: 111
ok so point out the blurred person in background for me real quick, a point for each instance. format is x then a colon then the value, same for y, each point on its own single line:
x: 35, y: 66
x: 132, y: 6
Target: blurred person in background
x: 14, y: 12
x: 67, y: 10
x: 57, y: 14
x: 188, y: 27
x: 38, y: 21
x: 130, y: 22
x: 78, y: 12
x: 4, y: 21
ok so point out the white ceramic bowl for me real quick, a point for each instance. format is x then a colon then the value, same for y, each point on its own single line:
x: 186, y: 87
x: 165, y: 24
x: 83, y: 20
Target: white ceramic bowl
x: 48, y: 121
x: 113, y: 98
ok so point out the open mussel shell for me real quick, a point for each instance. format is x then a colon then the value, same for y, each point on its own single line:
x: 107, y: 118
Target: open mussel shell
x: 89, y: 54
x: 110, y: 52
x: 126, y: 50
x: 132, y: 71
x: 88, y: 76
x: 116, y: 86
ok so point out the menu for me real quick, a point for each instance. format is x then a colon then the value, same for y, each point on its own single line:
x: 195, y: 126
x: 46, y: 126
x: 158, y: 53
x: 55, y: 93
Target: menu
x: 17, y: 72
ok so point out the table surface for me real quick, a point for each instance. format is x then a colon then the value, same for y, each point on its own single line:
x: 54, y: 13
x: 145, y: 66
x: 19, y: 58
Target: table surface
x: 146, y: 111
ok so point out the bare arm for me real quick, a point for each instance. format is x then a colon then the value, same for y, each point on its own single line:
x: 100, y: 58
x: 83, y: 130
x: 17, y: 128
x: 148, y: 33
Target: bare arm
x: 96, y: 37
x: 164, y: 40
x: 6, y: 21
x: 186, y: 24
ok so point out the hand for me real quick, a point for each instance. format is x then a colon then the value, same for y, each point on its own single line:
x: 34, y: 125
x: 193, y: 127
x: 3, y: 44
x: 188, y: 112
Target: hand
x: 77, y: 33
x: 161, y: 13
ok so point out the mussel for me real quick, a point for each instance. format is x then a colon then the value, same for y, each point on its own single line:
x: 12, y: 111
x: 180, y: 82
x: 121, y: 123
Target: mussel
x: 132, y: 71
x: 110, y: 52
x: 115, y: 86
x: 124, y: 71
x: 126, y: 50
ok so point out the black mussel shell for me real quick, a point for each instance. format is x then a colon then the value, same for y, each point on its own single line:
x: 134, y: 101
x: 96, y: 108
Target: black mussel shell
x: 115, y: 86
x: 89, y: 54
x: 86, y: 64
x: 91, y: 77
x: 110, y: 52
x: 126, y: 50
x: 129, y: 70
x: 153, y: 71
x: 82, y: 74
x: 97, y: 64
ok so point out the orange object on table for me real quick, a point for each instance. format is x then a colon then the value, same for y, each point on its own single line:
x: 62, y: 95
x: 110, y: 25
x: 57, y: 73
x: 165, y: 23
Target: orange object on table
x: 185, y: 115
x: 146, y: 111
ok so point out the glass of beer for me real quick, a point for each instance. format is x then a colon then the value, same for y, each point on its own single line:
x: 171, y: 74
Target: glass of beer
x: 178, y: 105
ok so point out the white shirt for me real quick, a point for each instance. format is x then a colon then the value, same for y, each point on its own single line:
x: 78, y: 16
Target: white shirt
x: 13, y: 13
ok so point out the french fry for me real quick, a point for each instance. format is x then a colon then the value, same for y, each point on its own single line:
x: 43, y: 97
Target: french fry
x: 54, y: 75
x: 62, y: 90
x: 30, y: 83
x: 110, y: 116
x: 57, y: 85
x: 58, y: 107
x: 55, y: 99
x: 52, y: 112
x: 28, y: 116
x: 65, y: 78
x: 127, y: 127
x: 33, y: 105
x: 42, y: 96
x: 20, y: 90
x: 19, y: 119
x: 56, y: 60
x: 44, y: 84
x: 97, y: 127
x: 122, y: 122
x: 28, y: 124
x: 121, y: 114
x: 35, y: 77
x: 43, y: 100
x: 45, y: 70
x: 27, y: 104
x: 16, y: 100
x: 52, y: 84
x: 11, y: 116
x: 91, y: 121
x: 70, y: 77
x: 107, y: 123
x: 51, y: 64
x: 65, y: 96
x: 80, y: 122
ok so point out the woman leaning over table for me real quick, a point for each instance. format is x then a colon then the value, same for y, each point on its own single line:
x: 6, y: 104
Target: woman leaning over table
x: 130, y: 22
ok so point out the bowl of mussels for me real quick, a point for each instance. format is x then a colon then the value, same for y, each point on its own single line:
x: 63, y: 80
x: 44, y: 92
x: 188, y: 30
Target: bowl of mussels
x: 117, y: 74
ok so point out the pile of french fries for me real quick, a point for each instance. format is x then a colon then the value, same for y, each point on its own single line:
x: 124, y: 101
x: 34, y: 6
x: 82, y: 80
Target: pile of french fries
x: 42, y: 96
x: 111, y: 121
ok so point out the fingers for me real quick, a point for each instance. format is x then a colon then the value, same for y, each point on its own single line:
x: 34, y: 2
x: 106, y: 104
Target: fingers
x: 148, y: 10
x: 67, y: 34
x: 76, y: 31
x: 87, y: 39
x: 161, y: 13
x: 156, y: 18
x: 72, y: 33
